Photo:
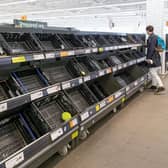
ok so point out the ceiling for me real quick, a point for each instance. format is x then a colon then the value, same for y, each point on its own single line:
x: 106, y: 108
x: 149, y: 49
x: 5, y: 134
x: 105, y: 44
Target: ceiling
x: 52, y: 10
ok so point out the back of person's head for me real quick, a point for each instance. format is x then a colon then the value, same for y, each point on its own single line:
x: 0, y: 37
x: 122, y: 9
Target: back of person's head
x: 150, y: 29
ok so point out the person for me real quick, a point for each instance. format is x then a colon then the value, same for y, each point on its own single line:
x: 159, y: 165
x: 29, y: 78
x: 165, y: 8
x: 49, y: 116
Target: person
x: 154, y: 60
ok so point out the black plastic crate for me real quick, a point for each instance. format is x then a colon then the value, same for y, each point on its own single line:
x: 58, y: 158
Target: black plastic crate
x: 16, y: 132
x: 49, y: 111
x: 71, y: 40
x: 18, y: 43
x: 111, y: 40
x: 5, y: 91
x: 56, y: 72
x: 50, y: 42
x: 29, y: 80
x: 101, y: 41
x: 82, y: 97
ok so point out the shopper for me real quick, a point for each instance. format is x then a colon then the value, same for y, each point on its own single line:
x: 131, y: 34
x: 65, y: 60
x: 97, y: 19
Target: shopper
x: 154, y: 60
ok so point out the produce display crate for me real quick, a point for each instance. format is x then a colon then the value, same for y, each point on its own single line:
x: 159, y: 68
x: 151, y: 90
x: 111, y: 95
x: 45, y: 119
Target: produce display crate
x: 56, y: 72
x: 111, y: 40
x: 29, y: 80
x: 16, y: 132
x: 100, y: 40
x: 19, y: 43
x: 5, y: 91
x: 82, y: 97
x: 50, y: 42
x: 48, y: 111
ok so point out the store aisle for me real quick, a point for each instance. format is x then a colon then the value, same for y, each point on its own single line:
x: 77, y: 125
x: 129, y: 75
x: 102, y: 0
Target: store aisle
x: 137, y: 137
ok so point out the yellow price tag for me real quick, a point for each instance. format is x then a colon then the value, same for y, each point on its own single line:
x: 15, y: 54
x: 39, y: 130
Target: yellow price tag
x: 18, y: 59
x: 110, y: 99
x: 101, y: 49
x: 63, y: 53
x: 75, y: 134
x: 97, y: 107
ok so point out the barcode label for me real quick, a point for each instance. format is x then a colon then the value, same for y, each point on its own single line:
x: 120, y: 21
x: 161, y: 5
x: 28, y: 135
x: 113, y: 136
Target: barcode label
x: 71, y: 52
x: 118, y: 94
x: 135, y: 83
x: 127, y: 88
x: 56, y: 134
x: 101, y: 73
x: 114, y: 69
x: 84, y: 116
x: 102, y: 104
x: 36, y: 95
x: 87, y: 51
x: 53, y: 89
x: 3, y: 107
x: 50, y: 55
x: 66, y: 85
x: 38, y: 56
x: 15, y: 161
x: 119, y: 67
x: 95, y: 50
x: 80, y: 81
x: 87, y: 78
x: 125, y: 65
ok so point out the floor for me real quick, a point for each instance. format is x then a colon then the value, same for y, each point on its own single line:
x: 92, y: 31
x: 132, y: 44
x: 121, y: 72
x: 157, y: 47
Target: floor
x: 137, y: 137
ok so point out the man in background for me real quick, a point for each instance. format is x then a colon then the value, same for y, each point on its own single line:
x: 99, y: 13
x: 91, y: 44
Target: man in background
x: 154, y: 60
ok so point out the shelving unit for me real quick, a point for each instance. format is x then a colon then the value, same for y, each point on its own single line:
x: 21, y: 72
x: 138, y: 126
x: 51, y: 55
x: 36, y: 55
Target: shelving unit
x: 50, y: 72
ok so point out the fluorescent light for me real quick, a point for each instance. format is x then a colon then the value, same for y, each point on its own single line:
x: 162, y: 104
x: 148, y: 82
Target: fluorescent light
x: 17, y: 2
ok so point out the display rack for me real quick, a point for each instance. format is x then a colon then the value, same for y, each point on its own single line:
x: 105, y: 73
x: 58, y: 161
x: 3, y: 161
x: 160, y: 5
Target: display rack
x: 50, y: 72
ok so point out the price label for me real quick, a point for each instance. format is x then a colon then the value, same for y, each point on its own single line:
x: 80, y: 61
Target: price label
x: 114, y: 69
x: 125, y: 65
x: 18, y: 59
x: 101, y: 49
x: 73, y: 123
x: 66, y: 85
x: 116, y: 47
x: 95, y: 50
x: 3, y: 107
x: 15, y: 160
x: 118, y: 94
x: 38, y: 57
x: 56, y: 134
x: 135, y: 83
x: 108, y: 70
x: 80, y: 81
x: 106, y: 48
x: 84, y: 116
x: 110, y: 99
x: 50, y: 55
x: 142, y: 79
x: 101, y: 73
x: 36, y: 95
x: 102, y: 104
x: 53, y: 89
x: 71, y: 53
x: 87, y: 78
x: 63, y: 53
x: 119, y: 67
x: 87, y: 51
x: 127, y: 88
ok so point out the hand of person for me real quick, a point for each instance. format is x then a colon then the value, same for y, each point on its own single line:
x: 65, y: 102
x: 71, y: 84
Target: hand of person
x: 149, y: 61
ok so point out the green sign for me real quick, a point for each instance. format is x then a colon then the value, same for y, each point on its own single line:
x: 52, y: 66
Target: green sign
x: 30, y: 24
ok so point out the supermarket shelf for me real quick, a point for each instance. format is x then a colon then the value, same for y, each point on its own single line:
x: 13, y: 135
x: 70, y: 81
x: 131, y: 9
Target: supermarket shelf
x: 71, y: 129
x: 15, y: 102
x: 59, y: 54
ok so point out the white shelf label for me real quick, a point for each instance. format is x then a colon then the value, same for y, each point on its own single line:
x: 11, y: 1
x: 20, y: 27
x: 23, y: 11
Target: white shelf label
x: 142, y: 79
x: 54, y: 135
x: 127, y: 88
x: 84, y: 116
x: 87, y: 51
x: 75, y: 122
x: 87, y: 78
x: 102, y: 104
x: 125, y: 65
x: 118, y: 94
x: 80, y: 81
x: 95, y: 50
x: 71, y: 52
x: 116, y: 47
x: 3, y: 107
x: 50, y: 55
x: 119, y: 67
x: 108, y: 70
x: 112, y: 48
x: 38, y: 56
x: 135, y: 83
x: 53, y: 89
x: 114, y: 69
x: 15, y: 161
x: 36, y: 95
x: 66, y: 85
x: 101, y: 73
